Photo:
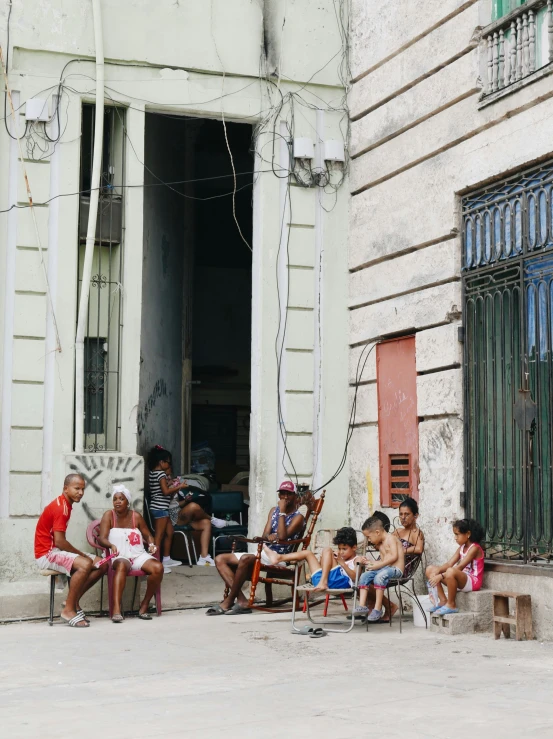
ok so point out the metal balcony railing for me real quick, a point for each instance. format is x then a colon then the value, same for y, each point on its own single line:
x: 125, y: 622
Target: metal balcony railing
x: 519, y: 44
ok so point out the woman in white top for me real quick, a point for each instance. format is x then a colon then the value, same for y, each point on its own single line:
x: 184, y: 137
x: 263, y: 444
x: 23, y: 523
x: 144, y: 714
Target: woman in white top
x: 123, y: 532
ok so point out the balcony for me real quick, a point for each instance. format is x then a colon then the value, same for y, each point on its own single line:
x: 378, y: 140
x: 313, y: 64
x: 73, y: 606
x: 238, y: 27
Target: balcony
x: 519, y: 48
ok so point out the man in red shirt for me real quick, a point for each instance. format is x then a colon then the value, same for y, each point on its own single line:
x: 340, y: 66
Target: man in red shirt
x: 54, y: 552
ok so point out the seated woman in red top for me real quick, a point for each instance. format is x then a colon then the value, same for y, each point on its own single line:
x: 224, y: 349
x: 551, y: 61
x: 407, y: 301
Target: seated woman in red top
x: 54, y: 552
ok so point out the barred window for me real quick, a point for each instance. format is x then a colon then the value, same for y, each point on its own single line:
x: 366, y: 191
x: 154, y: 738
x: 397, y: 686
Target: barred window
x: 508, y: 308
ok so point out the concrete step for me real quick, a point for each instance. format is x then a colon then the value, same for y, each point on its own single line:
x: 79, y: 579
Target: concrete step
x: 455, y: 623
x: 480, y: 604
x: 184, y: 587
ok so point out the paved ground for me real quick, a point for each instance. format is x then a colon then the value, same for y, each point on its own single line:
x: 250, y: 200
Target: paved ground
x: 185, y: 675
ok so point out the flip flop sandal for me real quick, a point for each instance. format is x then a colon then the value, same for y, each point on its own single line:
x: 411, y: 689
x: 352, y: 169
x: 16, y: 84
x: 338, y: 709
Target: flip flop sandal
x: 74, y: 621
x: 215, y: 611
x: 144, y: 616
x: 117, y: 619
x: 435, y: 608
x: 83, y: 614
x: 304, y: 631
x: 317, y: 633
x: 445, y: 611
x: 237, y: 610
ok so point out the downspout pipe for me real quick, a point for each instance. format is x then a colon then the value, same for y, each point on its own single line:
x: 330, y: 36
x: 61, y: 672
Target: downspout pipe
x: 91, y: 228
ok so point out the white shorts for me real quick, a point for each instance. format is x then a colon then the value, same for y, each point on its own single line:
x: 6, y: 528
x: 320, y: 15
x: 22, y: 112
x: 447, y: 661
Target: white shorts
x: 59, y: 560
x: 264, y: 559
x: 137, y: 562
x: 467, y: 587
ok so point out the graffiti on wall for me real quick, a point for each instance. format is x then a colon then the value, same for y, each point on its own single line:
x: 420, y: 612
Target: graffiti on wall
x: 100, y: 472
x: 159, y: 391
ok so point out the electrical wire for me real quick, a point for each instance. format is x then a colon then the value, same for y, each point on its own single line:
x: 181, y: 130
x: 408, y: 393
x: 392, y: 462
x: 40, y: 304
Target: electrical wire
x: 225, y: 131
x: 161, y: 183
x: 279, y: 352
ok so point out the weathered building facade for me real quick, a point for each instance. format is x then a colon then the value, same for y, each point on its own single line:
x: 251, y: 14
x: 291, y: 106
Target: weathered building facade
x: 219, y: 255
x: 449, y: 239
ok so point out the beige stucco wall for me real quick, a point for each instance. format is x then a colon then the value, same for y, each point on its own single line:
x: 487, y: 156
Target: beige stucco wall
x: 419, y: 139
x: 179, y: 52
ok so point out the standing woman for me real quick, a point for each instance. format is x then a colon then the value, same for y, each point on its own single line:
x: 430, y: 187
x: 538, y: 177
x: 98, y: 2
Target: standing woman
x: 123, y: 531
x: 160, y: 463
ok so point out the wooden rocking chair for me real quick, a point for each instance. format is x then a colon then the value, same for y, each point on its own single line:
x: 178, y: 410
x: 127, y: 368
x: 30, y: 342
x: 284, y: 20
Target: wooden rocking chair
x: 271, y: 575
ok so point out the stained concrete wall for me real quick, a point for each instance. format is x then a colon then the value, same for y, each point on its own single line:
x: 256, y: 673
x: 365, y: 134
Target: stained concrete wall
x: 419, y: 139
x: 178, y: 52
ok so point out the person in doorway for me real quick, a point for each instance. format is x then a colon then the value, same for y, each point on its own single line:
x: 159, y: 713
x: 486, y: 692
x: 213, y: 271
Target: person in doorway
x: 285, y: 523
x: 193, y: 515
x: 122, y: 532
x: 159, y: 464
x: 464, y: 571
x: 379, y: 572
x: 54, y: 552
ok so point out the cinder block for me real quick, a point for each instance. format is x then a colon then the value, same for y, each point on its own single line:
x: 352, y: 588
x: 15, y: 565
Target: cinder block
x: 481, y: 605
x: 455, y: 623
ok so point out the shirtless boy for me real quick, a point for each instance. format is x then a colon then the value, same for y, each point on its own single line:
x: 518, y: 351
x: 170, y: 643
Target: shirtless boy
x: 379, y: 572
x: 336, y: 570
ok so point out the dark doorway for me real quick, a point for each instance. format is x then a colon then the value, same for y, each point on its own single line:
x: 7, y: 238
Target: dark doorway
x: 196, y: 316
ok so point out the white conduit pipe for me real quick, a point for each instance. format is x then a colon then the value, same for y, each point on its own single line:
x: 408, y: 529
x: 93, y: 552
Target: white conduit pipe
x: 91, y: 229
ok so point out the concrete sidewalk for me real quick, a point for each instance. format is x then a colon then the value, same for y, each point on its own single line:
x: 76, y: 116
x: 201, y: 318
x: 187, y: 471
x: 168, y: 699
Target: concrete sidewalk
x: 185, y: 675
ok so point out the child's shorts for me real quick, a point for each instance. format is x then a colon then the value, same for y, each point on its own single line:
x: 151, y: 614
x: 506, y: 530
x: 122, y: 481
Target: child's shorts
x: 336, y: 579
x: 379, y: 578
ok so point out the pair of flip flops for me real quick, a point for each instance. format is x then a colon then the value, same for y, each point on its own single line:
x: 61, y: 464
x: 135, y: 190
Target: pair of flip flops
x: 236, y: 610
x: 312, y: 631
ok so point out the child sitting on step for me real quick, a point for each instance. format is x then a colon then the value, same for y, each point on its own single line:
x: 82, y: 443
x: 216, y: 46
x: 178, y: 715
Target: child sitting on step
x: 464, y: 571
x: 336, y: 570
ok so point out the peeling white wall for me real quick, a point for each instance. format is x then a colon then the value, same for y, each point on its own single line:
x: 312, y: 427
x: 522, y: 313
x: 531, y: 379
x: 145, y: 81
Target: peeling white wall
x: 418, y: 140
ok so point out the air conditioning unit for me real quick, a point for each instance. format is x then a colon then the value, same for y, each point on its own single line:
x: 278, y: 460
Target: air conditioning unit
x: 109, y: 224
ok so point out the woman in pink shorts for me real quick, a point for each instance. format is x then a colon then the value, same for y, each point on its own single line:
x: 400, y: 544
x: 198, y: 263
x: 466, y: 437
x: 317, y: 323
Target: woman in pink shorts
x: 464, y: 571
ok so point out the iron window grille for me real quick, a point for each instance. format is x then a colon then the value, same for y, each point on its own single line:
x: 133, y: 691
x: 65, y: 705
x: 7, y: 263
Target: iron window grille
x: 104, y: 327
x: 508, y: 363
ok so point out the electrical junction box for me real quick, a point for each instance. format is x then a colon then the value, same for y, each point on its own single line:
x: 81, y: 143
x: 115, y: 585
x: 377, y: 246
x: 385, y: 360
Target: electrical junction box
x: 36, y: 109
x: 303, y: 148
x: 334, y: 151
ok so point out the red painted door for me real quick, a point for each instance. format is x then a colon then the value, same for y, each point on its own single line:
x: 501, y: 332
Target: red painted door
x: 398, y: 432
